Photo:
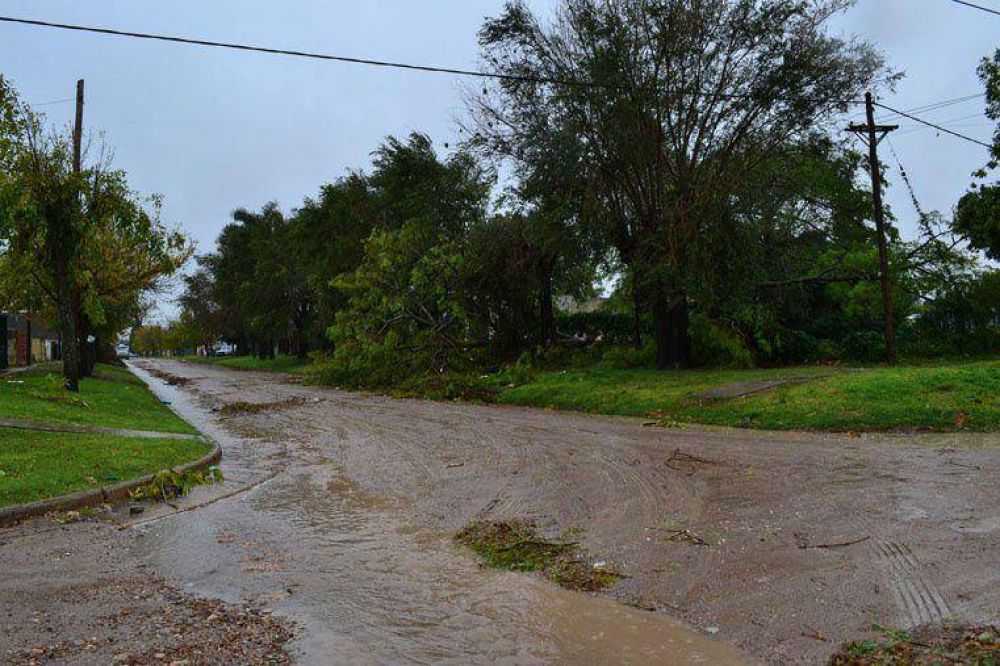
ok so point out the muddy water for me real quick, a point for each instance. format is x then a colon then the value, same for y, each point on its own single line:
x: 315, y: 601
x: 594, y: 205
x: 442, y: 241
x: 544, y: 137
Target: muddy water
x: 368, y: 584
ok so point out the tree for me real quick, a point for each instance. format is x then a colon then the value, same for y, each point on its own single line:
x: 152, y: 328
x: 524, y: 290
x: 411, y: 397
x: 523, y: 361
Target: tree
x: 83, y: 245
x: 977, y: 216
x: 41, y: 217
x: 325, y: 239
x: 675, y: 102
x: 404, y: 310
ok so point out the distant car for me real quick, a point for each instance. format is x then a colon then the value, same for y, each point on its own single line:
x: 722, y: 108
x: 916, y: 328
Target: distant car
x: 123, y: 351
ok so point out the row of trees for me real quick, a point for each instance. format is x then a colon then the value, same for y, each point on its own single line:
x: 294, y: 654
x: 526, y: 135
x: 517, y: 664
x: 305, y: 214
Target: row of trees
x: 77, y: 245
x: 683, y: 151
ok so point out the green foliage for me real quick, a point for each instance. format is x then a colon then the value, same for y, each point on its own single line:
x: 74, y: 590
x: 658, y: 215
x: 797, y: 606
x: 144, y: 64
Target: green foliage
x: 964, y: 319
x: 81, y: 248
x: 168, y: 484
x: 405, y: 311
x: 931, y: 644
x: 610, y: 327
x: 977, y: 218
x: 515, y: 545
x: 715, y: 346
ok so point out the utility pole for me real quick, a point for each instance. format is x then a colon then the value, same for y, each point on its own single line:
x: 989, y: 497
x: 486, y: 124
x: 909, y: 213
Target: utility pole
x: 78, y: 127
x: 872, y: 134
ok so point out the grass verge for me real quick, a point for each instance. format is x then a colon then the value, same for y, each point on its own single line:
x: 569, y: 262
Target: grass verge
x: 940, y: 646
x: 942, y: 397
x: 515, y: 545
x: 281, y: 363
x: 113, y: 398
x: 36, y: 465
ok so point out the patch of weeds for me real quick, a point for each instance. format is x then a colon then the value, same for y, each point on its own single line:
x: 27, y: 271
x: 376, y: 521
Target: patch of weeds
x: 515, y: 545
x: 170, y: 484
x: 67, y: 517
x: 931, y: 645
x: 52, y: 389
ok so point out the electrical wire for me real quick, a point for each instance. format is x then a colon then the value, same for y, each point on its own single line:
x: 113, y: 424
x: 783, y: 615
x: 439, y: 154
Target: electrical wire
x: 934, y: 106
x: 399, y: 65
x: 294, y: 53
x: 55, y: 101
x: 979, y: 7
x: 935, y: 126
x: 355, y: 60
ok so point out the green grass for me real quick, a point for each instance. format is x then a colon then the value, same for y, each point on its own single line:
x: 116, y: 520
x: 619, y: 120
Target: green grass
x: 922, y: 397
x: 35, y: 465
x: 113, y: 398
x: 280, y: 363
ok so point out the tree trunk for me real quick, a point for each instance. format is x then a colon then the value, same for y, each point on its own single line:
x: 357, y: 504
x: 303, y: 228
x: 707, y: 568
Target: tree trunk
x: 86, y: 349
x: 70, y: 343
x: 546, y: 312
x: 670, y: 330
x: 636, y: 314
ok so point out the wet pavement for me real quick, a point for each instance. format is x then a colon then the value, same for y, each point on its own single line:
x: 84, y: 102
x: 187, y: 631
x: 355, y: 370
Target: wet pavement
x: 366, y: 578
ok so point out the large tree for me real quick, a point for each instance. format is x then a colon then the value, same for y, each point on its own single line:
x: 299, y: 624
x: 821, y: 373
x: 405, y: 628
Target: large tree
x: 977, y: 216
x: 81, y: 245
x: 674, y: 103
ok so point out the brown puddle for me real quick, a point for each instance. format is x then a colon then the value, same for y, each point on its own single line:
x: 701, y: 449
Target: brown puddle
x: 368, y: 585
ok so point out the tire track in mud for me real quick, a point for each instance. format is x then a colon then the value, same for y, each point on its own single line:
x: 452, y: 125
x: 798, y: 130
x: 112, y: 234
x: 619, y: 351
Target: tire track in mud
x: 916, y: 598
x: 915, y: 595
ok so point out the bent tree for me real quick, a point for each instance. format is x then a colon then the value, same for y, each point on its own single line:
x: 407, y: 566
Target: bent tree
x: 673, y: 103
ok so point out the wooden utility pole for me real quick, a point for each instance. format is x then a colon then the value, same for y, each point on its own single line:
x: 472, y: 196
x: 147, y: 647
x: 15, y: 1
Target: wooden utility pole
x: 78, y: 127
x: 872, y: 134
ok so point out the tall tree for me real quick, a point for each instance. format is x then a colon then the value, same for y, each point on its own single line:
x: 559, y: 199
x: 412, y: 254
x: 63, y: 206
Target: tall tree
x: 41, y: 215
x: 977, y: 216
x: 675, y: 102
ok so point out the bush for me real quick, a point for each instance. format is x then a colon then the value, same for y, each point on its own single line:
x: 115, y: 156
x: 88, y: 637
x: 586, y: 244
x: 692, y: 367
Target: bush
x: 716, y: 346
x: 865, y: 346
x: 611, y: 327
x: 630, y: 357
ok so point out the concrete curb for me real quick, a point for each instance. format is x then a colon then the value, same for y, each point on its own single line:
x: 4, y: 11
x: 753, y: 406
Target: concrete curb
x: 97, y: 496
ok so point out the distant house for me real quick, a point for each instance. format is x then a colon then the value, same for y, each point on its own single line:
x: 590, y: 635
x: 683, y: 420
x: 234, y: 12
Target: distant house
x: 25, y: 340
x: 571, y: 305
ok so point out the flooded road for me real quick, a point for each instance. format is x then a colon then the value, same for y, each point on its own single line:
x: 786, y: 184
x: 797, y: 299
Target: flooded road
x: 339, y: 510
x: 364, y: 577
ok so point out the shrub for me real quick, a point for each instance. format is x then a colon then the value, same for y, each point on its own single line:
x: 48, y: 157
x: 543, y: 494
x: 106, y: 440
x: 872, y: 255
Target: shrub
x: 716, y: 346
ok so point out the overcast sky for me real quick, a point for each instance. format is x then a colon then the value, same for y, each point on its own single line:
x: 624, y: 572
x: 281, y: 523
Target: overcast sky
x: 212, y: 130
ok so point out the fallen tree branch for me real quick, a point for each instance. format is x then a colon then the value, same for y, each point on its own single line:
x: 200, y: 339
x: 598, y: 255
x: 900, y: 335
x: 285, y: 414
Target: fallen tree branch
x: 842, y: 544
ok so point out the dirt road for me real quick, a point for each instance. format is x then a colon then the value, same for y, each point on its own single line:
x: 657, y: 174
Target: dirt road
x: 338, y: 510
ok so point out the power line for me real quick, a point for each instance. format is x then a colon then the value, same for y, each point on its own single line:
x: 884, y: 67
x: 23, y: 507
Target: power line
x: 294, y: 53
x: 979, y: 7
x: 55, y: 101
x: 930, y: 124
x: 394, y: 65
x: 934, y: 106
x: 357, y: 61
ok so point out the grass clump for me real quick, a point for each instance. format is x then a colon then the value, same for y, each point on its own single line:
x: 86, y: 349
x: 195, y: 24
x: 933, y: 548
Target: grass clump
x: 979, y: 646
x: 516, y: 545
x: 169, y: 484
